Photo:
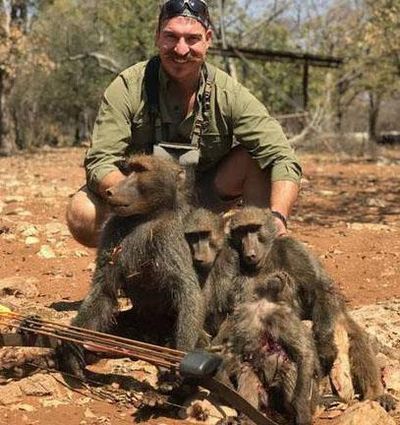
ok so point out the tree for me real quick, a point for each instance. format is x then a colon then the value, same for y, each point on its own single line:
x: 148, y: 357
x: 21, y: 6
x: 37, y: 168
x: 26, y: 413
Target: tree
x: 13, y: 18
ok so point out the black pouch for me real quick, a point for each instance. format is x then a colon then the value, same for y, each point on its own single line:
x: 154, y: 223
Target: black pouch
x: 184, y: 154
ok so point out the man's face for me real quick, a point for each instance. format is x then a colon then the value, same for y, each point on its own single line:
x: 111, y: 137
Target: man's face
x: 183, y: 43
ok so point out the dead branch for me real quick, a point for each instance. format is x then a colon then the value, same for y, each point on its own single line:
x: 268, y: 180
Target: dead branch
x: 103, y: 61
x: 312, y: 126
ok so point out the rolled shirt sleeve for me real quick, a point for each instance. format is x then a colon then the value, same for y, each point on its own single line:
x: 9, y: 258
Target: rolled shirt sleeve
x: 263, y: 137
x: 111, y: 132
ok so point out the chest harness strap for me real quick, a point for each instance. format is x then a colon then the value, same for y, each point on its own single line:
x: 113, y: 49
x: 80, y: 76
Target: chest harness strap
x: 184, y: 152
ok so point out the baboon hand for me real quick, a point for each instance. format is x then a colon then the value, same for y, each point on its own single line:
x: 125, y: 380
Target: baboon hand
x: 71, y: 359
x: 387, y: 402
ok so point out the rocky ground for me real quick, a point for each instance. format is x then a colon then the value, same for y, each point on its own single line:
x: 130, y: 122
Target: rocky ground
x: 348, y: 214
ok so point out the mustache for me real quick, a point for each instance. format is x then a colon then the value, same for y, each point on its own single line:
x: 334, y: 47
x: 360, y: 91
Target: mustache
x: 188, y: 57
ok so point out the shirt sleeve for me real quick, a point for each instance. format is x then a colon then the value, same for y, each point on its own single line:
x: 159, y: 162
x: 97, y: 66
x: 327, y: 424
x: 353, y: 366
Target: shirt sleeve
x: 263, y: 137
x: 111, y: 132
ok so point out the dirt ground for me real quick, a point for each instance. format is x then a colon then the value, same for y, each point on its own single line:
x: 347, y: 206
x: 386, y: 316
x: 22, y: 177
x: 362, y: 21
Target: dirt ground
x: 348, y: 213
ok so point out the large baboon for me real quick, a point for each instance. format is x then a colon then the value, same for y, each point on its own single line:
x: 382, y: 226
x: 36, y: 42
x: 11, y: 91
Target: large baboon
x: 252, y: 236
x: 278, y: 363
x: 143, y: 252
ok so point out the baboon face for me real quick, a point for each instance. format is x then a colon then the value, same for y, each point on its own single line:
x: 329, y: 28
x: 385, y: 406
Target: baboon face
x: 204, y: 234
x: 277, y: 287
x: 151, y: 185
x: 203, y: 253
x: 252, y: 231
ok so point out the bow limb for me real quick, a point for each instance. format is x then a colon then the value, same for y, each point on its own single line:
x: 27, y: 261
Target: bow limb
x: 25, y: 339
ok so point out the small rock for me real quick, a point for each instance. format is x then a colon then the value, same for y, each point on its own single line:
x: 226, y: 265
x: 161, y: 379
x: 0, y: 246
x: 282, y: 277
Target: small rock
x: 46, y: 252
x: 80, y: 253
x: 40, y: 385
x: 203, y: 403
x: 25, y: 407
x: 365, y: 413
x: 31, y: 240
x: 54, y: 228
x: 19, y: 287
x: 391, y: 377
x: 51, y: 402
x: 13, y: 198
x: 370, y: 226
x: 326, y: 193
x: 10, y: 394
x: 28, y: 230
x: 89, y: 414
x: 91, y: 267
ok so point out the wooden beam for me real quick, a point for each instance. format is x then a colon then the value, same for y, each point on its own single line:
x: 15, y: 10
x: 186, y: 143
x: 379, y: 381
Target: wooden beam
x: 278, y: 56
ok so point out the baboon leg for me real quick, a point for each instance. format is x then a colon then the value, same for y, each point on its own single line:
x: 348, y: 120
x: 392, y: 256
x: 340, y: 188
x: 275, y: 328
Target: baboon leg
x: 249, y: 385
x: 364, y: 368
x: 323, y: 318
x: 95, y: 313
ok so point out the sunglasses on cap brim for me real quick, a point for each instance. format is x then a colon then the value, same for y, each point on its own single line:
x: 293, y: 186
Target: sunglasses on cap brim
x: 198, y: 9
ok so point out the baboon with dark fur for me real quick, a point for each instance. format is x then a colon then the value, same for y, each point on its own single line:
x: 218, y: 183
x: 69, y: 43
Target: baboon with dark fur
x: 278, y: 363
x: 143, y: 252
x: 260, y: 252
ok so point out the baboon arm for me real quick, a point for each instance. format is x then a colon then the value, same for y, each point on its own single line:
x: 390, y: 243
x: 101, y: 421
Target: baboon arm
x: 98, y: 308
x: 189, y: 304
x: 298, y: 345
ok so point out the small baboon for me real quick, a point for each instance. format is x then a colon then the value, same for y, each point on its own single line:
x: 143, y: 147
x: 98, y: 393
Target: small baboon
x: 204, y: 233
x: 143, y: 251
x: 278, y: 363
x: 253, y: 236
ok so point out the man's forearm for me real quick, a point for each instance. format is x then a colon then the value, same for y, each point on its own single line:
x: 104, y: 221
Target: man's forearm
x: 283, y: 196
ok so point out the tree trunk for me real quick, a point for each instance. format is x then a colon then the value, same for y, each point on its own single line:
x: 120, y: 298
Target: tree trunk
x: 373, y: 113
x: 7, y: 132
x: 371, y: 148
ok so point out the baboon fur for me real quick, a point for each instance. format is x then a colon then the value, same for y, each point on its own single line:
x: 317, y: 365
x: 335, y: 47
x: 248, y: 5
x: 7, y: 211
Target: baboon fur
x: 143, y: 251
x: 279, y: 367
x: 260, y: 252
x: 204, y: 233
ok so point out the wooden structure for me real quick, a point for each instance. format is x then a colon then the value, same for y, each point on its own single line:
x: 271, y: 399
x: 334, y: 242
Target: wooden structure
x: 307, y: 59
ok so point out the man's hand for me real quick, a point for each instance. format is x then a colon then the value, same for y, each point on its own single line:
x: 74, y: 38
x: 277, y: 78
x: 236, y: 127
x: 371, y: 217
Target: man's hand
x: 281, y: 229
x: 283, y: 195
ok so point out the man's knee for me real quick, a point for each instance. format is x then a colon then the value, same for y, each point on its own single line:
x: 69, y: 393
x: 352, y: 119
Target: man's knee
x: 85, y: 216
x: 238, y: 173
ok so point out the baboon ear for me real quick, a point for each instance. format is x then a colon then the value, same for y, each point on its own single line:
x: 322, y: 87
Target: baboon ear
x: 181, y: 178
x: 138, y: 167
x: 123, y: 166
x: 226, y: 220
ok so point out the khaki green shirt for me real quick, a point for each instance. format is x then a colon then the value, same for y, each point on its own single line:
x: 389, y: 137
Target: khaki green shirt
x: 123, y: 126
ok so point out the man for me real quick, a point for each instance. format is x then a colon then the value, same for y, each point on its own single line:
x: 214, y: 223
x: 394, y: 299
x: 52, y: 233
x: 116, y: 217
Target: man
x: 199, y: 107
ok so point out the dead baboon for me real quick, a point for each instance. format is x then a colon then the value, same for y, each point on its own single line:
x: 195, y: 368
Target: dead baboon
x: 278, y: 363
x: 252, y: 235
x: 143, y: 251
